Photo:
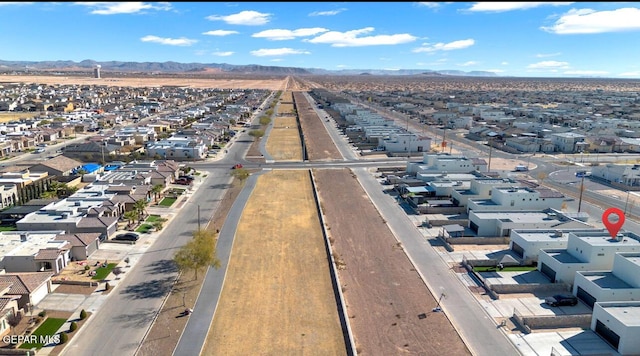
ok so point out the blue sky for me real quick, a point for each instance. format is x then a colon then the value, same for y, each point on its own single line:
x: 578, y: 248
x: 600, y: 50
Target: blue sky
x: 522, y: 39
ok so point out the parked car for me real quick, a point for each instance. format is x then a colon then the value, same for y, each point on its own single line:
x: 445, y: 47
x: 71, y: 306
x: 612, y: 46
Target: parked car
x: 128, y: 236
x: 182, y: 181
x: 189, y: 178
x: 561, y: 299
x: 237, y: 166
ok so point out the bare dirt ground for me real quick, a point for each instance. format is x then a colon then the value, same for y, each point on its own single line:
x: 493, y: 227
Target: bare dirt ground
x: 317, y: 139
x: 223, y: 83
x: 389, y: 306
x: 283, y: 143
x: 278, y: 297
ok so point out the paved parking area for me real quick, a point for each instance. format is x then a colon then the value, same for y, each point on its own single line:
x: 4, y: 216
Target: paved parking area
x: 62, y: 301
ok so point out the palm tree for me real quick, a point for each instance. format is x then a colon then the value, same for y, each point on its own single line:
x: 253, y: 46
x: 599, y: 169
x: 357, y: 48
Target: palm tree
x: 140, y: 207
x: 156, y: 190
x: 130, y: 216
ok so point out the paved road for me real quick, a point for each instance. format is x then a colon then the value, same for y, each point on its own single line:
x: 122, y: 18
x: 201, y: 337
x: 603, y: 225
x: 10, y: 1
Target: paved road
x: 195, y: 333
x: 478, y: 330
x: 119, y: 326
x: 121, y: 323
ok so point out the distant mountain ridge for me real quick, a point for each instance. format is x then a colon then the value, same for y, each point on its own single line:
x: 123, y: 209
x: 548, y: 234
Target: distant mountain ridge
x: 177, y: 67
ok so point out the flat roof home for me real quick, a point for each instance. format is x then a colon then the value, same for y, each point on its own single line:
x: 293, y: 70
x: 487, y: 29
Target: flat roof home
x: 585, y: 251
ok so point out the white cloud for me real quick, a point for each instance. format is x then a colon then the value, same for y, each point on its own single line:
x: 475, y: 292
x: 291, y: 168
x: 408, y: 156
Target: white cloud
x: 114, y: 8
x: 545, y: 55
x: 342, y: 66
x: 468, y: 64
x: 495, y: 70
x: 431, y: 5
x: 351, y: 39
x: 277, y: 52
x: 220, y: 33
x: 510, y: 6
x: 549, y: 65
x: 586, y: 21
x: 327, y: 13
x: 249, y: 18
x: 505, y: 63
x: 280, y: 35
x: 182, y: 41
x: 223, y: 54
x: 9, y: 3
x: 630, y: 74
x: 445, y: 46
x: 277, y: 60
x: 586, y: 72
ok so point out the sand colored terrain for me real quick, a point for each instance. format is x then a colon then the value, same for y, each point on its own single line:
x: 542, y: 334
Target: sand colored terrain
x: 285, y: 109
x: 319, y: 144
x: 388, y: 304
x: 283, y: 142
x: 149, y: 81
x: 278, y: 297
x: 286, y: 97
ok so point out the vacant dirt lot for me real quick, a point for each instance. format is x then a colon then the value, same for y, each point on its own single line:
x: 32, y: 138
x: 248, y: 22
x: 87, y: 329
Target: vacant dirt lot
x: 389, y: 306
x: 319, y: 143
x: 278, y: 297
x: 283, y: 142
x: 226, y: 83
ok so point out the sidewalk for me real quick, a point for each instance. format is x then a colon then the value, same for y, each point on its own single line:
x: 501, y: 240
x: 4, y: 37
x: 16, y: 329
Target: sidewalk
x: 93, y: 302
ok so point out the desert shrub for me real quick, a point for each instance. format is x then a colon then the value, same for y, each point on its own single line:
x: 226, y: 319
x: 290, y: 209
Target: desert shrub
x: 42, y: 314
x: 64, y: 338
x: 73, y: 327
x: 83, y: 314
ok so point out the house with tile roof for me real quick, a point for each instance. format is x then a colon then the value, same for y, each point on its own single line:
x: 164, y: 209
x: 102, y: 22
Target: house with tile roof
x: 57, y: 166
x: 27, y: 288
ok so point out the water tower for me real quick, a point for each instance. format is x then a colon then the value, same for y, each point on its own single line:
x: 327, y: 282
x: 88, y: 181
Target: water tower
x: 96, y: 71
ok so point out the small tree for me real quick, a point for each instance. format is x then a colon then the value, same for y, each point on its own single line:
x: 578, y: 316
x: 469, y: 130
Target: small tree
x: 198, y: 253
x: 73, y: 326
x: 83, y: 314
x: 241, y: 174
x: 13, y: 320
x: 116, y: 271
x: 256, y: 133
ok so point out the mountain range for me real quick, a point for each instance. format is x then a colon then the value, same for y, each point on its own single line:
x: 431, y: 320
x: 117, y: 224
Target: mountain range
x: 176, y: 67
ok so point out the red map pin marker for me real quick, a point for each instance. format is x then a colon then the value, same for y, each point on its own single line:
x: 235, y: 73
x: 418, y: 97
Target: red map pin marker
x: 613, y: 227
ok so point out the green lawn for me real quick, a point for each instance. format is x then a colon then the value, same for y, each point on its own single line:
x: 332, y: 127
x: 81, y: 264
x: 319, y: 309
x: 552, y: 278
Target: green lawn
x: 48, y: 328
x: 153, y: 218
x: 8, y: 228
x: 167, y: 201
x: 103, y: 272
x: 143, y: 228
x: 506, y: 269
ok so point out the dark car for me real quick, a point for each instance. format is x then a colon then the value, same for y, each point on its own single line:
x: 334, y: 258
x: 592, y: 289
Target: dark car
x: 561, y: 300
x: 189, y: 178
x: 182, y: 181
x: 129, y: 236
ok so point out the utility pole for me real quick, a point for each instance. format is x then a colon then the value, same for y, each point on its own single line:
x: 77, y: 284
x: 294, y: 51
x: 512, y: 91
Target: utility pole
x: 626, y: 203
x: 198, y: 217
x: 581, y: 190
x: 489, y: 165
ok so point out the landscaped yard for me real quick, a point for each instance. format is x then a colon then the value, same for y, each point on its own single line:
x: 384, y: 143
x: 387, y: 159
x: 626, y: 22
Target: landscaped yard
x: 48, y: 328
x: 8, y: 228
x: 167, y: 201
x: 103, y: 272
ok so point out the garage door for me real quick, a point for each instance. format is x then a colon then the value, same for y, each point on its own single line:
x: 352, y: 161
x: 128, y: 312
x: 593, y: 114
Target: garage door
x: 547, y: 271
x: 587, y: 298
x: 518, y: 249
x: 609, y: 335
